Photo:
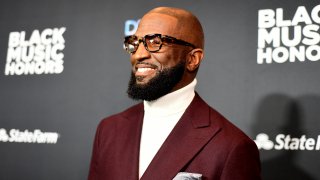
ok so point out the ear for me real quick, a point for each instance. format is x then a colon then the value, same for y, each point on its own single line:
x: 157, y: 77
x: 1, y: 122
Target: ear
x: 194, y: 59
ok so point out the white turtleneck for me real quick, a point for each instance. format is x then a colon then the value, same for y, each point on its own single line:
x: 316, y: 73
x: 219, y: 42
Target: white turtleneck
x: 160, y: 117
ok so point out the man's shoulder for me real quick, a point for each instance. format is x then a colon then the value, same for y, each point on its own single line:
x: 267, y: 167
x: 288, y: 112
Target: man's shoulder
x: 127, y: 113
x: 227, y: 128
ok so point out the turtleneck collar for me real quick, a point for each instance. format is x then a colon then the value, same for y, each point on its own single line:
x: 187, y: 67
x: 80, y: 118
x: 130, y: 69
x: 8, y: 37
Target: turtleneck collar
x: 171, y: 103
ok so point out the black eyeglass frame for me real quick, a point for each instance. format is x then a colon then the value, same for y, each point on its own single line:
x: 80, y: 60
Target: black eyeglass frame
x: 163, y: 38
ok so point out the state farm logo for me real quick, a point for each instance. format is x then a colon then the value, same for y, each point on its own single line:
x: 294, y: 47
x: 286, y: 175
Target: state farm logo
x: 262, y: 141
x: 286, y: 142
x: 38, y: 53
x: 36, y: 137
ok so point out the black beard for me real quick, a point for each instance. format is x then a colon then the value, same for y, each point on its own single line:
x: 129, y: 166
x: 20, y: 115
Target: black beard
x: 158, y: 86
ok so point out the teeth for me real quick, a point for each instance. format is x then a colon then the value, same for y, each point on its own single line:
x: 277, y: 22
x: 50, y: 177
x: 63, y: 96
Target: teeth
x: 143, y: 69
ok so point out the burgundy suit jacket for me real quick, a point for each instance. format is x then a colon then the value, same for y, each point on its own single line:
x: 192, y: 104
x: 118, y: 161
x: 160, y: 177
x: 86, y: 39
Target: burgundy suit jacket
x: 203, y: 142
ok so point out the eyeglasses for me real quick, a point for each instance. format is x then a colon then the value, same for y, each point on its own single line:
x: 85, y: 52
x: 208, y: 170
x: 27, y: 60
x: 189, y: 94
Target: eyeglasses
x: 152, y: 42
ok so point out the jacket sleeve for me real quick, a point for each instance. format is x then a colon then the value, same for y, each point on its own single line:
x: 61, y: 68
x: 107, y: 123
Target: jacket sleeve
x: 93, y: 174
x: 243, y: 162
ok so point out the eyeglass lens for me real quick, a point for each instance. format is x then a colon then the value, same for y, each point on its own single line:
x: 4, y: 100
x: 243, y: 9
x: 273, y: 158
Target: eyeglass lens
x: 152, y: 43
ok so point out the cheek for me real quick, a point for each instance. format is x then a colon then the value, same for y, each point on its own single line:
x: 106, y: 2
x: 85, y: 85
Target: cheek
x: 132, y: 61
x: 168, y: 60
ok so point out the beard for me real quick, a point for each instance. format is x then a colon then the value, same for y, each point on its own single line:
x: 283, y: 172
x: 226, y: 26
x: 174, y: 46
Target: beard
x: 158, y: 86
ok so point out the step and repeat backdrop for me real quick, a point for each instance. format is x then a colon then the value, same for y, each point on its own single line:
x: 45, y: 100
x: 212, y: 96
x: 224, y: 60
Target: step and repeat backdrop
x: 63, y: 69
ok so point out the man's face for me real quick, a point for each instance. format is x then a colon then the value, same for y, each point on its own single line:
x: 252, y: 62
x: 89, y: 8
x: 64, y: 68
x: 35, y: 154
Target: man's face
x: 147, y: 67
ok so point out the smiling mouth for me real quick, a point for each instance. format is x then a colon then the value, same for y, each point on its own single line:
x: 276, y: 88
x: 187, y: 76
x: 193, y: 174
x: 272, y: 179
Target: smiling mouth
x: 144, y: 72
x: 145, y: 69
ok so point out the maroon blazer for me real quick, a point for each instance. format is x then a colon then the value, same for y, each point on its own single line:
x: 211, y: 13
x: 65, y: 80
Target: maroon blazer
x: 203, y: 142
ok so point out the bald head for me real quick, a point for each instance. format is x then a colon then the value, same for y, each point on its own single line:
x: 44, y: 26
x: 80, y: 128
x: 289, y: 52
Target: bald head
x: 186, y: 27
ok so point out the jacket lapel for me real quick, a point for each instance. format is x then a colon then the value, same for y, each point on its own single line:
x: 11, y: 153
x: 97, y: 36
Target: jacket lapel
x: 190, y: 134
x: 129, y: 138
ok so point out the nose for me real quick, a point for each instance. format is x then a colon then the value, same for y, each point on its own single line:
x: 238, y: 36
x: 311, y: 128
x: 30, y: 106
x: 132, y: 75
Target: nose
x: 140, y: 54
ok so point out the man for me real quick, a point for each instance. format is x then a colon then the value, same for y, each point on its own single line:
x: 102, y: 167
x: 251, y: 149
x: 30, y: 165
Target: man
x: 173, y: 134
